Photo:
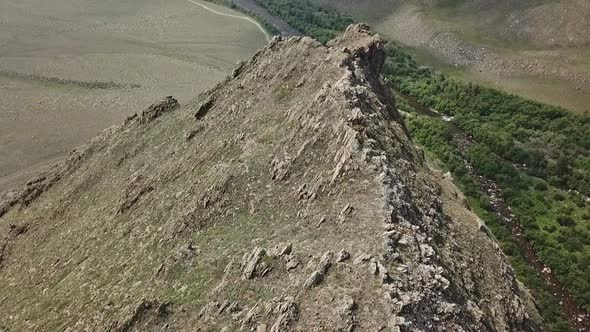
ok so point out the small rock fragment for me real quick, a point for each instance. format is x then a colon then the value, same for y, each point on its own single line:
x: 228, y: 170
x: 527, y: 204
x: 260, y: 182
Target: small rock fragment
x: 362, y: 258
x: 251, y: 262
x: 325, y: 262
x: 322, y: 220
x: 191, y: 134
x: 373, y: 269
x: 346, y: 211
x: 251, y: 314
x: 292, y: 263
x: 204, y: 108
x: 314, y: 279
x: 343, y: 255
x: 284, y: 250
x: 345, y: 310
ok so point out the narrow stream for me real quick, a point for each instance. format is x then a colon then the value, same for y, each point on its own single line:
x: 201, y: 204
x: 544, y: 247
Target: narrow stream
x: 502, y: 210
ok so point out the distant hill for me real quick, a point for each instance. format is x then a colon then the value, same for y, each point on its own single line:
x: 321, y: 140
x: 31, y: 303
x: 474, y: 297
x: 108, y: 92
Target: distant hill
x: 531, y: 47
x: 540, y: 23
x: 536, y: 22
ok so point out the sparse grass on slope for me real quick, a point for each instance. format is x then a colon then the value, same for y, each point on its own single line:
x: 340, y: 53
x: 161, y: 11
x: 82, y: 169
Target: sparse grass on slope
x: 180, y: 218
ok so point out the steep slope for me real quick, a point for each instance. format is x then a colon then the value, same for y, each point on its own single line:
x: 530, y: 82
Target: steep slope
x: 289, y: 197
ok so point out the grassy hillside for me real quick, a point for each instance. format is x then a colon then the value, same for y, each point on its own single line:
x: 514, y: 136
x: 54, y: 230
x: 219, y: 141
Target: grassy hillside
x: 508, y: 21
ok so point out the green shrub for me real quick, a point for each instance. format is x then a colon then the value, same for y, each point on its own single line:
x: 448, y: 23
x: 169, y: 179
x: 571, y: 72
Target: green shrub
x: 566, y: 221
x: 540, y: 186
x: 558, y: 197
x: 550, y: 228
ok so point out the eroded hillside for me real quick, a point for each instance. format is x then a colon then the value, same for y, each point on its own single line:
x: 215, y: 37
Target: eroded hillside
x: 288, y: 197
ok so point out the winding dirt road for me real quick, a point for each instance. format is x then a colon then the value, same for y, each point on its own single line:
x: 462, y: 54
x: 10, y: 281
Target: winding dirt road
x: 266, y: 34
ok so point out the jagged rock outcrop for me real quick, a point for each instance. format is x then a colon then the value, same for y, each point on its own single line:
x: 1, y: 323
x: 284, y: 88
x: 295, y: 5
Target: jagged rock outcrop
x: 298, y: 202
x: 159, y: 108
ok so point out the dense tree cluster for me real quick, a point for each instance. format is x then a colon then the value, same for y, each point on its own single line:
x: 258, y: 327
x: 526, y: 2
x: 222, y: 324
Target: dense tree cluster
x: 547, y: 141
x: 434, y: 135
x: 315, y: 21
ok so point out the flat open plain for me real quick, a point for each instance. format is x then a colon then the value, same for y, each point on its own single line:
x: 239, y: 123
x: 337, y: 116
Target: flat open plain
x: 71, y: 68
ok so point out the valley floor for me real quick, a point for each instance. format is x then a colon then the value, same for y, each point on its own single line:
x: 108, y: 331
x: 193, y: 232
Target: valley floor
x: 71, y: 68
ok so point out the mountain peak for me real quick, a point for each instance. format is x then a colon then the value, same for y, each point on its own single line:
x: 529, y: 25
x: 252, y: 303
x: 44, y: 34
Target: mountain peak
x: 288, y: 197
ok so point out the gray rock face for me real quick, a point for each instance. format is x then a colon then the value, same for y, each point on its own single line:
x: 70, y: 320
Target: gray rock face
x: 156, y: 110
x: 314, y: 279
x: 251, y: 262
x: 204, y: 108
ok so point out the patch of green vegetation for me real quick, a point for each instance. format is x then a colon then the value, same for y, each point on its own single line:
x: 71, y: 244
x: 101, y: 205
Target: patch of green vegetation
x: 531, y: 150
x: 549, y: 145
x: 314, y: 20
x: 364, y: 11
x: 434, y: 135
x: 550, y: 141
x: 534, y: 152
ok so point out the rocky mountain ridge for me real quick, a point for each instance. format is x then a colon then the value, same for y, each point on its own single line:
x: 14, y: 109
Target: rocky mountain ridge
x: 288, y: 197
